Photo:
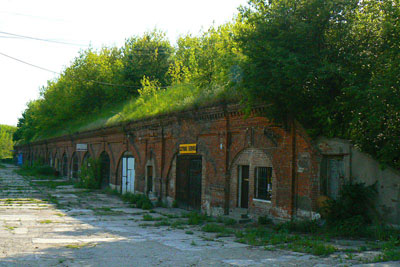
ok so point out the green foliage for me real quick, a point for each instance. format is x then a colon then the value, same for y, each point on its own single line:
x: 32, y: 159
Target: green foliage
x: 332, y: 65
x: 148, y: 55
x: 301, y: 226
x: 37, y: 169
x: 144, y: 78
x: 264, y: 220
x: 343, y: 212
x: 90, y: 174
x: 216, y: 228
x: 6, y: 141
x: 196, y: 218
x: 140, y: 201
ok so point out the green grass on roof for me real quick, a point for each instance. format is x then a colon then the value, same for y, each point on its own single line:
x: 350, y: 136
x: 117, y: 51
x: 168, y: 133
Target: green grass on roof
x: 159, y: 102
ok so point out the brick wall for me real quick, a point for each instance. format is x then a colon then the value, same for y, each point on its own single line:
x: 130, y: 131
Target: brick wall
x: 225, y: 139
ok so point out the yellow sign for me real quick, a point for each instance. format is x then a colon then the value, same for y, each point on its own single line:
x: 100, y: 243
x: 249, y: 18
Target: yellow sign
x: 187, y: 149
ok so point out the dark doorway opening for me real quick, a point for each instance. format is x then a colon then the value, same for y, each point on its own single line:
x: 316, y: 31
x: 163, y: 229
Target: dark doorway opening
x: 188, y: 181
x: 149, y: 179
x: 105, y: 170
x: 65, y: 166
x: 75, y: 166
x: 244, y: 173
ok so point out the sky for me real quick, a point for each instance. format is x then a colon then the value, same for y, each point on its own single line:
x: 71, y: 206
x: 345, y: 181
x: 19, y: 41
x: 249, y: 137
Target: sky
x: 80, y: 24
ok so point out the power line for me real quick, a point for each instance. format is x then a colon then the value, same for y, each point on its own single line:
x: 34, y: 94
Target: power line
x: 27, y: 63
x: 147, y: 50
x: 55, y: 72
x: 40, y: 39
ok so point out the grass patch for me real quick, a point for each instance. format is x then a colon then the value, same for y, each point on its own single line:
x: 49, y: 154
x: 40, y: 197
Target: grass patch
x: 390, y: 251
x: 138, y: 200
x: 179, y: 224
x: 111, y: 192
x: 163, y: 222
x: 53, y: 184
x: 8, y: 227
x: 148, y: 217
x: 217, y: 228
x: 78, y: 246
x: 158, y: 102
x: 45, y: 221
x: 196, y: 218
x: 310, y: 246
x: 2, y: 166
x: 226, y: 221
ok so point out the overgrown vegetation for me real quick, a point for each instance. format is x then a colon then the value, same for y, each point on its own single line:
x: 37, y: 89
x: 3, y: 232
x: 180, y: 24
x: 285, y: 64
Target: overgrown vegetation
x: 354, y: 210
x: 140, y: 201
x: 6, y: 140
x: 90, y: 174
x: 332, y: 65
x: 38, y: 170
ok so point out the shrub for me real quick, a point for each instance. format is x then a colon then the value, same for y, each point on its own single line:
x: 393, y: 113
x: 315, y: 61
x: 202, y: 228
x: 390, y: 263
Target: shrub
x: 195, y: 218
x: 303, y: 226
x: 90, y: 175
x: 354, y: 209
x: 37, y: 169
x: 139, y: 200
x: 264, y: 220
x: 45, y: 170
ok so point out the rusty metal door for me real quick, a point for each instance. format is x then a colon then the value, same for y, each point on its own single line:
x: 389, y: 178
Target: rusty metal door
x: 188, y: 181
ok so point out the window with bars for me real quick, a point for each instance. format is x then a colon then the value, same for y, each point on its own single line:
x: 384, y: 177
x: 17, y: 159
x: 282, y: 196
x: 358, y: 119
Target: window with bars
x: 263, y: 183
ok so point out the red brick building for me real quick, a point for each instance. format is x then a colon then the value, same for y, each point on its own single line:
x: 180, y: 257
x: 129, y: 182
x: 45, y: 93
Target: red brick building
x: 213, y: 159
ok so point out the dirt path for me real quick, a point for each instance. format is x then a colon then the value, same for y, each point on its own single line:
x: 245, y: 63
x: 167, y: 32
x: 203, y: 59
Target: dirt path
x: 65, y: 226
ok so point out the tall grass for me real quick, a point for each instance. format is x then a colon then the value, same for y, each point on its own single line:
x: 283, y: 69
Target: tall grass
x: 154, y: 103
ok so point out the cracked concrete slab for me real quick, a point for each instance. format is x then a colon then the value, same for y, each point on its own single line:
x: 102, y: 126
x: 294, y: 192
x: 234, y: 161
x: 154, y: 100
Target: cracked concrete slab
x: 95, y: 229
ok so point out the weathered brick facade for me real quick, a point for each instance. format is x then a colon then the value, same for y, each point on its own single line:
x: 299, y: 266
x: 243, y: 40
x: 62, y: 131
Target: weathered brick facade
x: 225, y: 138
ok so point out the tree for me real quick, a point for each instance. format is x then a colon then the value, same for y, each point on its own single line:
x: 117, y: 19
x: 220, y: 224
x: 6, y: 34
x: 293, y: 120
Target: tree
x: 6, y: 140
x: 148, y: 55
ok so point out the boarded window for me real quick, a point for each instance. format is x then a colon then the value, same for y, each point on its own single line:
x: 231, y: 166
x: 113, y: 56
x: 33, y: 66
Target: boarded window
x: 263, y: 183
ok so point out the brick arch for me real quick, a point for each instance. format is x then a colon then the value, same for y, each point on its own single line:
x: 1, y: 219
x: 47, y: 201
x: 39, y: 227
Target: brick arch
x: 65, y: 165
x: 71, y: 164
x: 253, y: 157
x: 117, y: 171
x: 84, y: 156
x: 171, y: 178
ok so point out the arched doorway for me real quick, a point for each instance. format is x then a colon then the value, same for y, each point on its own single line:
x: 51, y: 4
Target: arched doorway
x: 74, y: 166
x: 252, y: 179
x: 65, y: 165
x: 85, y: 161
x: 104, y: 170
x: 127, y: 173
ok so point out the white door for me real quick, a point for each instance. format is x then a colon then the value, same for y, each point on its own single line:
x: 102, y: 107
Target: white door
x: 128, y: 175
